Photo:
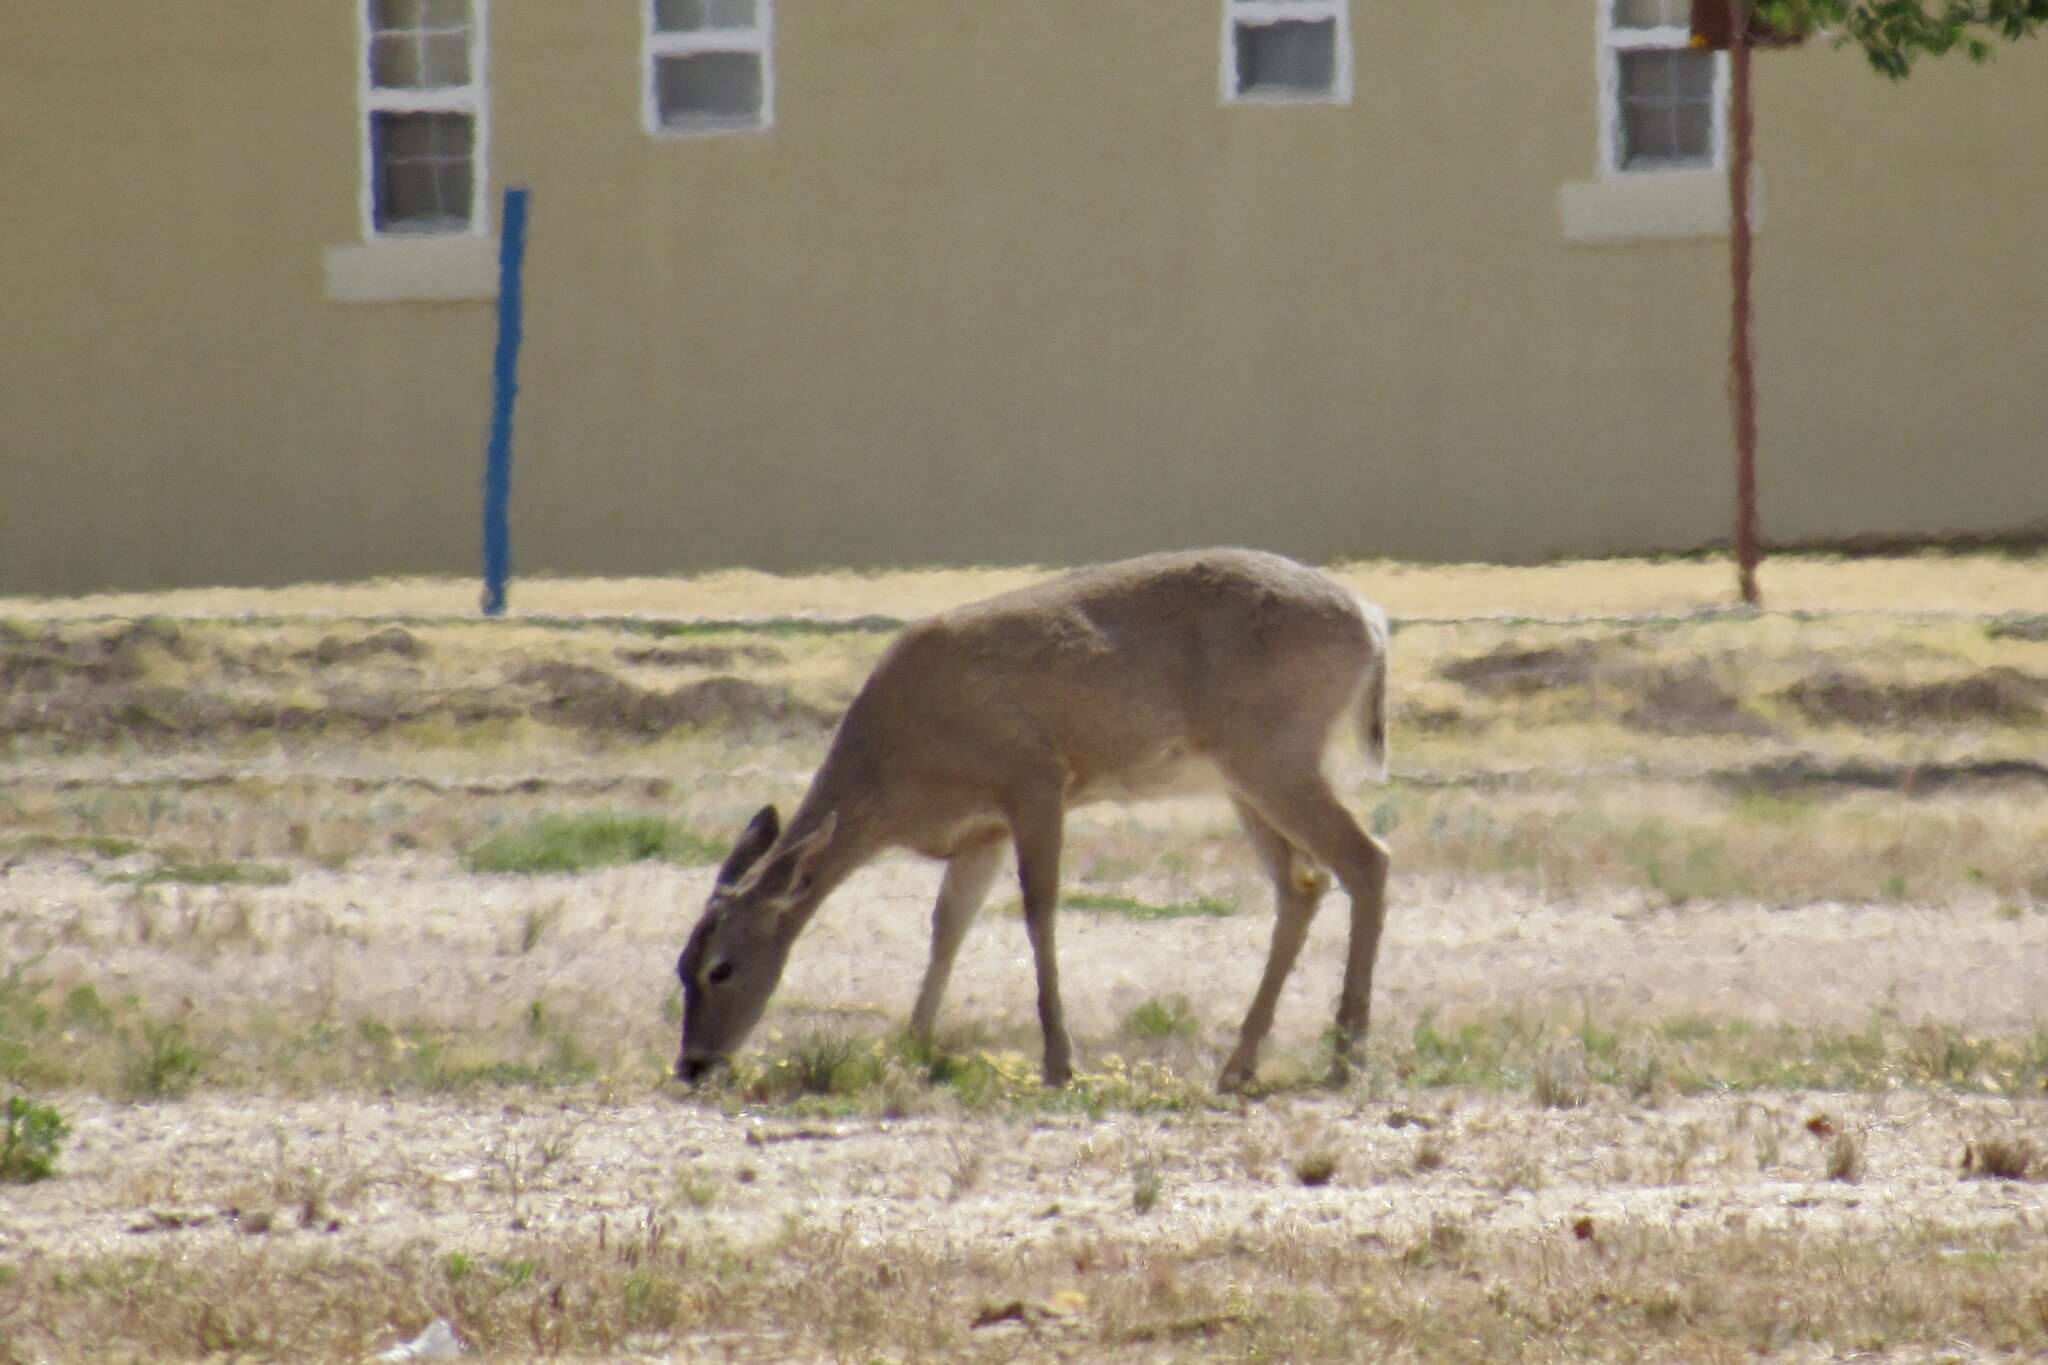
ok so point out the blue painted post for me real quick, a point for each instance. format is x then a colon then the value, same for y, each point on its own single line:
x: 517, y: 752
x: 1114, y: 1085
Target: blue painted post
x: 504, y: 389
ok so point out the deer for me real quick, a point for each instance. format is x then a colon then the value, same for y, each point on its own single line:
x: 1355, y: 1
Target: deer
x: 979, y: 728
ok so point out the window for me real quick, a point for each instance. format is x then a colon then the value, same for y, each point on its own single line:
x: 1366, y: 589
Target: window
x: 1662, y: 101
x: 1277, y: 51
x: 424, y: 116
x: 709, y: 67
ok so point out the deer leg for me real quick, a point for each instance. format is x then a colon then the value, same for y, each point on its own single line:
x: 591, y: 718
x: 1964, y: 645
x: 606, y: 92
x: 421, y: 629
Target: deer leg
x: 1304, y: 809
x: 966, y: 884
x: 1037, y: 827
x: 1298, y: 887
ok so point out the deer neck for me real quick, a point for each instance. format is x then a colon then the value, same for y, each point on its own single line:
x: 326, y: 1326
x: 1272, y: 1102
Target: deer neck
x: 856, y: 838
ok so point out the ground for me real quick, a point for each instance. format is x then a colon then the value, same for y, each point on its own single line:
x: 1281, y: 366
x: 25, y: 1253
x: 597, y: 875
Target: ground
x: 1707, y: 1021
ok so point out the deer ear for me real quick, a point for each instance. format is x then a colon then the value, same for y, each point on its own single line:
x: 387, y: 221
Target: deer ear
x: 758, y: 839
x: 803, y: 854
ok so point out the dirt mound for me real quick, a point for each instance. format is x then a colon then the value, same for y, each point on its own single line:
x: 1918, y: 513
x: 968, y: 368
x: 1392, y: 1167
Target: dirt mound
x: 592, y: 699
x: 122, y: 712
x: 1997, y: 696
x: 1691, y: 704
x: 2030, y: 628
x: 393, y: 640
x: 47, y: 662
x: 1803, y: 771
x: 1512, y: 672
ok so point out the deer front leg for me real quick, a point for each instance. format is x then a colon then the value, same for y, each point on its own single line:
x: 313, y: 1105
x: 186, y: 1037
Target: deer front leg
x: 1037, y: 826
x: 968, y: 877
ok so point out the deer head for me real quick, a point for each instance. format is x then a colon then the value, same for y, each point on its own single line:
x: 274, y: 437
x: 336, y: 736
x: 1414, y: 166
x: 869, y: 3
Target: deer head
x: 735, y: 955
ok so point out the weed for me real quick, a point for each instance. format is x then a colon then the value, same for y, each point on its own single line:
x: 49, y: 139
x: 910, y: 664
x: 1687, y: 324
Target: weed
x: 537, y: 921
x: 165, y: 1065
x: 2000, y: 1157
x: 821, y: 1063
x: 1560, y: 1081
x: 1521, y: 1172
x: 1441, y: 1244
x: 1316, y: 1168
x: 966, y: 1161
x: 697, y: 1190
x: 83, y: 1009
x: 1845, y: 1158
x: 28, y: 1152
x: 1157, y: 1020
x: 1146, y: 1187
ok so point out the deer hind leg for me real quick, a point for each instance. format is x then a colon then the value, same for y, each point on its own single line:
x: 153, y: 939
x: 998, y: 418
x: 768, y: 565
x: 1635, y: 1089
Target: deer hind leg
x: 1037, y: 823
x: 1300, y: 804
x: 1298, y: 887
x: 968, y: 877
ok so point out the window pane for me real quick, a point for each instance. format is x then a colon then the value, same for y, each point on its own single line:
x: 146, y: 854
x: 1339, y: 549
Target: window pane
x: 1648, y: 76
x: 1695, y: 131
x: 1648, y: 135
x: 679, y: 16
x: 1292, y: 55
x: 1667, y: 108
x: 395, y: 62
x: 732, y: 13
x: 1652, y: 13
x: 446, y: 60
x: 423, y: 171
x: 388, y: 16
x: 447, y: 14
x: 708, y: 87
x: 1695, y: 73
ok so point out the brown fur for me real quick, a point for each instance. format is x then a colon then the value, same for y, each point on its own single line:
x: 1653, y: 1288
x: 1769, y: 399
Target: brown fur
x: 1217, y: 669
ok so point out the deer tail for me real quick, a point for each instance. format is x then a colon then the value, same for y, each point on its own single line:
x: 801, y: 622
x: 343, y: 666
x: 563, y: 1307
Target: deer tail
x: 1372, y: 704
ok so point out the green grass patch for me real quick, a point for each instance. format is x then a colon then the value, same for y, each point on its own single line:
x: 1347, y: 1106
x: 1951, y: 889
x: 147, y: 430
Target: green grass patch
x: 1202, y: 907
x: 571, y: 843
x: 210, y: 873
x: 1159, y: 1019
x: 28, y: 1148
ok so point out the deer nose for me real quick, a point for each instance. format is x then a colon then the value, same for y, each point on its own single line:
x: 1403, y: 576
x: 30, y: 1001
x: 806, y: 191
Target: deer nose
x: 690, y: 1070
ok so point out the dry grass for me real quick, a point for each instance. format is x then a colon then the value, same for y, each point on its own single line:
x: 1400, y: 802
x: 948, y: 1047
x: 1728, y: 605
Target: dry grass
x: 1452, y: 1293
x: 1985, y: 583
x: 1684, y: 760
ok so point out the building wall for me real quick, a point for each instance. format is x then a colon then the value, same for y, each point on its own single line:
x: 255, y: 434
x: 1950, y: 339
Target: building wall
x: 1005, y: 282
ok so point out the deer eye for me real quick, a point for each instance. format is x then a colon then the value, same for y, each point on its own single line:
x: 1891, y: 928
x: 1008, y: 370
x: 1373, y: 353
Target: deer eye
x: 719, y: 974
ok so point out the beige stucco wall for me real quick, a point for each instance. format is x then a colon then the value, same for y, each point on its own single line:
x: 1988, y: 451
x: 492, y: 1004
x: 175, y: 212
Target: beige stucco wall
x: 1004, y: 283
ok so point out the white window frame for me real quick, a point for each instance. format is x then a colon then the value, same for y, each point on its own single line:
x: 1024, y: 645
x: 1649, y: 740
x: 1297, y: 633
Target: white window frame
x: 472, y: 99
x: 1612, y: 42
x: 656, y: 44
x: 1259, y: 13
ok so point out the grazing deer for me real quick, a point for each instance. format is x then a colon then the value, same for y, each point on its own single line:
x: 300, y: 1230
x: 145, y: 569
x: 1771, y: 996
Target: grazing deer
x: 1216, y: 669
